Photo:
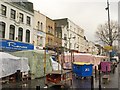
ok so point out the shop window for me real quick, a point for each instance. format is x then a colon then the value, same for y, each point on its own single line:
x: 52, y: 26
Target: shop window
x: 13, y: 14
x: 28, y: 36
x: 20, y: 34
x: 3, y: 10
x: 38, y: 25
x: 41, y: 26
x: 2, y: 29
x: 21, y: 16
x: 49, y: 29
x: 28, y: 20
x: 12, y: 32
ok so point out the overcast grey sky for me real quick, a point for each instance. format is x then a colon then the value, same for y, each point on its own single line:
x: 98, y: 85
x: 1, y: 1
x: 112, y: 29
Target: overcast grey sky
x: 88, y: 14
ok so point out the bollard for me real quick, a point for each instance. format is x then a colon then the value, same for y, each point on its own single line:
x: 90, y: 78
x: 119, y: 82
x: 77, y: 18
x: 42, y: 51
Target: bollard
x: 92, y: 83
x: 99, y: 87
x: 99, y: 80
x: 95, y: 72
x: 37, y: 87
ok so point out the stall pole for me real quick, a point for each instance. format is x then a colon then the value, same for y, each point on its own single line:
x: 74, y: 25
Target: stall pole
x: 45, y: 66
x: 92, y: 83
x: 95, y: 72
x: 44, y: 62
x: 99, y: 80
x: 99, y: 67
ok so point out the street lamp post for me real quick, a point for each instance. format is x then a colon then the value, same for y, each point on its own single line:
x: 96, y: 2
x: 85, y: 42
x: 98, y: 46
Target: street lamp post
x: 110, y: 31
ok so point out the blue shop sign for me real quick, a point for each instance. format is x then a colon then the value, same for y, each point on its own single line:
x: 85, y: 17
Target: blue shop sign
x: 13, y: 45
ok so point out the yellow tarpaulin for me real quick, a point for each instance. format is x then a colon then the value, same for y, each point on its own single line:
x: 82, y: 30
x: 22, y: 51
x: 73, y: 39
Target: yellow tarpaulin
x: 108, y: 47
x: 81, y: 63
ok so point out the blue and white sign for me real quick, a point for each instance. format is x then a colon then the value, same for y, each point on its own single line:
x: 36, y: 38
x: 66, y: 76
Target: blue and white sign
x: 41, y: 34
x: 13, y: 45
x: 87, y: 69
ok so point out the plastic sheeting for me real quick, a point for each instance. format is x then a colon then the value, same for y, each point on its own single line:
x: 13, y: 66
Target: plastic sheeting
x: 9, y: 64
x: 55, y: 64
x: 82, y: 57
x: 36, y: 62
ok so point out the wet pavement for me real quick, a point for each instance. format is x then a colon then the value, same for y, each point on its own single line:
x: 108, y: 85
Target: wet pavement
x: 77, y: 82
x: 112, y: 83
x: 26, y: 84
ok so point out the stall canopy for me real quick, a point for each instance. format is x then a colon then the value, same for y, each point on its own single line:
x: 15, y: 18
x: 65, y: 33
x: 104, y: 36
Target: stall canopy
x: 36, y: 62
x: 82, y: 57
x: 9, y: 64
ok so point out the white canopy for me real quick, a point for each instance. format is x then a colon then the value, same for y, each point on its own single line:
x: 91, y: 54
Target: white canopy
x: 9, y: 64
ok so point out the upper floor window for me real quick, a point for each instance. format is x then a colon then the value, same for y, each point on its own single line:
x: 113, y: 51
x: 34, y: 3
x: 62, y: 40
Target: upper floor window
x: 59, y: 35
x: 21, y: 17
x: 12, y: 32
x: 48, y: 41
x: 51, y: 30
x: 41, y: 26
x: 56, y: 33
x: 48, y: 29
x: 28, y: 20
x: 65, y: 36
x: 28, y: 36
x: 38, y: 25
x: 51, y: 42
x: 65, y: 44
x: 13, y: 14
x: 3, y: 10
x: 20, y: 34
x: 2, y: 29
x: 39, y: 40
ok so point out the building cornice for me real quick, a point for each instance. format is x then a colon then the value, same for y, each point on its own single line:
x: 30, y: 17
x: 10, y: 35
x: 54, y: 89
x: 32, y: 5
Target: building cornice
x: 20, y: 8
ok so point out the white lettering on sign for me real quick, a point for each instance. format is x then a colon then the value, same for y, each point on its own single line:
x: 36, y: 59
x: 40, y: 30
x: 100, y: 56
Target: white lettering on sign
x: 13, y: 44
x: 87, y: 69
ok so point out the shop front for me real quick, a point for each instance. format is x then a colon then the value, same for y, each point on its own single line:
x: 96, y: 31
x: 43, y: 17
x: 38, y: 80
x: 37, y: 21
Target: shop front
x: 10, y: 46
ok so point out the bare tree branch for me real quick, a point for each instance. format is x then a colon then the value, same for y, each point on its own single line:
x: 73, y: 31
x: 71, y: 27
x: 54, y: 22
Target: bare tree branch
x: 103, y: 33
